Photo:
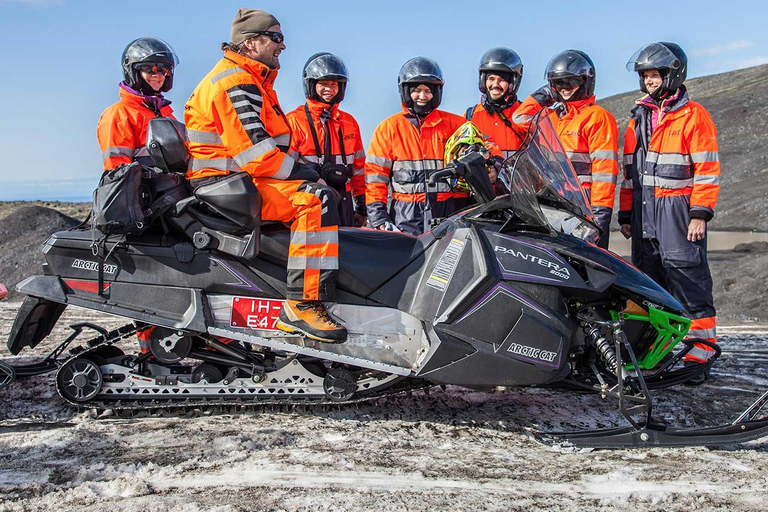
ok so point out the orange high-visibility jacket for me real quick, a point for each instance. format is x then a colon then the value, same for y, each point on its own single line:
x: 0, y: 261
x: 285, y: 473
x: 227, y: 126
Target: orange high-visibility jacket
x: 234, y: 122
x: 508, y: 140
x: 303, y: 145
x: 682, y: 160
x: 122, y: 128
x: 590, y: 138
x: 402, y: 154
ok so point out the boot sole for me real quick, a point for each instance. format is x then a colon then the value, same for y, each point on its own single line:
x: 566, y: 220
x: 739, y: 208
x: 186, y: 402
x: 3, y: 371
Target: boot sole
x: 292, y: 329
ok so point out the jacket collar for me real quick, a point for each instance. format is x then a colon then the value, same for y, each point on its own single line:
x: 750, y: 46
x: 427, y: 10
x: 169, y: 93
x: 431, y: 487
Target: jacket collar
x: 262, y: 73
x: 669, y: 105
x: 432, y: 119
x: 579, y: 105
x: 317, y: 107
x: 151, y: 102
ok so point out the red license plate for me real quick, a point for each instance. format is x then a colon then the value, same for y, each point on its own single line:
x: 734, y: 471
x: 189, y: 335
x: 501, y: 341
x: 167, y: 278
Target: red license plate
x: 251, y: 313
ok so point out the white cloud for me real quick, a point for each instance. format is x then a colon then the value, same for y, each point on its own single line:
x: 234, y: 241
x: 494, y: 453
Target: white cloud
x: 717, y: 50
x: 750, y: 61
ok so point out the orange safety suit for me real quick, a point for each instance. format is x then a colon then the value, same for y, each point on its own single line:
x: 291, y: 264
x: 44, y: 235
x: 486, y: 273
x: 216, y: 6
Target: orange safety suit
x: 345, y: 132
x: 403, y: 153
x: 235, y: 124
x: 498, y: 128
x: 122, y: 128
x: 672, y: 175
x: 590, y: 138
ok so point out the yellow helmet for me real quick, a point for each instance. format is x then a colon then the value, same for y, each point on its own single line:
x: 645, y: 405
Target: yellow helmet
x: 466, y: 137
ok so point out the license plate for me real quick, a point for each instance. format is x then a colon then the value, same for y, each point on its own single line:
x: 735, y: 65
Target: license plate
x: 251, y: 313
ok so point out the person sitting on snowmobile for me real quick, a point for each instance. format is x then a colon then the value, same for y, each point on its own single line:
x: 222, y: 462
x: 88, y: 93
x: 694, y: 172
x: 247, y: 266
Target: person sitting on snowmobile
x: 148, y: 64
x: 405, y: 148
x: 327, y: 138
x: 670, y: 188
x: 587, y: 131
x: 235, y: 124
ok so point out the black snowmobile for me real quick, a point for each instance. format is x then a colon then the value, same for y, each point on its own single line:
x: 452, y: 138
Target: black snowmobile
x: 510, y: 292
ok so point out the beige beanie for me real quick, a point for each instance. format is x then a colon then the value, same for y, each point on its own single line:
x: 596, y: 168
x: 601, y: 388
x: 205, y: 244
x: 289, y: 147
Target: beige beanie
x: 250, y: 20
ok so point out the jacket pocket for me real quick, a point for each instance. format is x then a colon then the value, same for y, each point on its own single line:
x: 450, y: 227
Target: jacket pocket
x: 682, y: 257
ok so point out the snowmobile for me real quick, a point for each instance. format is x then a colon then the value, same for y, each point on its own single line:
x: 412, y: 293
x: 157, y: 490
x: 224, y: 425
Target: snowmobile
x: 509, y: 292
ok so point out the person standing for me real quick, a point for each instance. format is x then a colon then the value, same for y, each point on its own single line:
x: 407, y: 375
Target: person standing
x: 405, y: 149
x: 670, y: 188
x: 587, y: 131
x: 235, y: 124
x: 328, y: 138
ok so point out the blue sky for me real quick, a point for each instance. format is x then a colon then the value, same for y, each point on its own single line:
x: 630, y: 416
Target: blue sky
x: 60, y: 59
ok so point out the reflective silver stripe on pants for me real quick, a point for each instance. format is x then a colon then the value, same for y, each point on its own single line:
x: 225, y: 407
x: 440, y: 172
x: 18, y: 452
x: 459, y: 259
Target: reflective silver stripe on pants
x: 255, y: 151
x: 314, y: 237
x: 220, y: 164
x: 702, y: 333
x: 378, y: 160
x: 705, y: 156
x: 226, y: 73
x: 700, y: 353
x: 604, y: 154
x: 117, y: 151
x: 285, y: 168
x: 376, y: 178
x: 201, y: 137
x: 706, y: 179
x: 313, y: 262
x: 655, y: 181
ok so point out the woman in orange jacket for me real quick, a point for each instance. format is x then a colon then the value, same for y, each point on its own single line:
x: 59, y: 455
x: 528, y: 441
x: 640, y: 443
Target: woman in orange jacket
x: 405, y: 149
x: 328, y: 139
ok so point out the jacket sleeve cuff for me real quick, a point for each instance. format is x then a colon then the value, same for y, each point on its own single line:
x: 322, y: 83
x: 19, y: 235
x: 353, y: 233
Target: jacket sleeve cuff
x: 625, y: 218
x: 705, y: 214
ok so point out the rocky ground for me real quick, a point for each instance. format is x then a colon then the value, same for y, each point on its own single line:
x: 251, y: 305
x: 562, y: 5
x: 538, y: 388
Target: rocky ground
x: 449, y: 450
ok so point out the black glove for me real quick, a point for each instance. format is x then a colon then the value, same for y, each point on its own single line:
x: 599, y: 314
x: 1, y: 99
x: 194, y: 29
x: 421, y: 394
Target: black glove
x: 335, y: 174
x: 359, y: 202
x: 303, y: 172
x: 545, y: 96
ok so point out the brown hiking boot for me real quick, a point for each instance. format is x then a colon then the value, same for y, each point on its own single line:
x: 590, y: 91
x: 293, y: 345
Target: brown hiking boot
x: 312, y: 320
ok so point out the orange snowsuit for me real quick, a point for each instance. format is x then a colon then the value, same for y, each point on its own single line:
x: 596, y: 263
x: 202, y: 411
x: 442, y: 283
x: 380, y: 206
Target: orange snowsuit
x: 122, y: 128
x: 235, y: 124
x: 507, y: 139
x: 403, y: 153
x: 672, y: 175
x: 590, y: 138
x: 345, y: 132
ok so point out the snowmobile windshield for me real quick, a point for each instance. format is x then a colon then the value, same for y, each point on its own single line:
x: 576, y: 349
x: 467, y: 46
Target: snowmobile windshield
x: 545, y: 190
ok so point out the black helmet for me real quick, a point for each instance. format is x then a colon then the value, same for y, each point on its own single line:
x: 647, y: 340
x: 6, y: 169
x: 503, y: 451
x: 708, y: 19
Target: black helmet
x: 668, y: 58
x: 324, y: 66
x: 573, y: 64
x: 417, y: 71
x: 147, y: 50
x: 501, y: 61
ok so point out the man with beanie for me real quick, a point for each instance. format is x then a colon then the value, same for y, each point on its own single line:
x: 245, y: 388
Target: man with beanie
x: 235, y: 124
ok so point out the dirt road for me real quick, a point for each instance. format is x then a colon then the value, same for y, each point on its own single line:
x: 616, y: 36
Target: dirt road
x: 450, y: 450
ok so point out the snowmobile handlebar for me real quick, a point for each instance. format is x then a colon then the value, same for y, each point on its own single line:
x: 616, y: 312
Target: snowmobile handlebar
x: 441, y: 174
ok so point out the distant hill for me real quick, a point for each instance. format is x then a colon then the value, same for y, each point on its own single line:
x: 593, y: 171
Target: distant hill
x: 738, y: 103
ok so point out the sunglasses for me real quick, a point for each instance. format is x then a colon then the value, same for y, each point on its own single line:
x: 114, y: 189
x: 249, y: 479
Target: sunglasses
x: 155, y: 69
x: 276, y: 37
x: 568, y: 83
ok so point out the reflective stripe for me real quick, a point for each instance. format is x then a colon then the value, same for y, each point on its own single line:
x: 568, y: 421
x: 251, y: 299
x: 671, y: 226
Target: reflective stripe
x: 245, y: 103
x: 705, y: 156
x: 314, y: 237
x: 248, y: 115
x: 578, y: 157
x: 294, y: 154
x: 359, y: 154
x: 285, y: 168
x: 625, y: 183
x: 667, y: 158
x: 220, y: 164
x: 604, y: 177
x: 706, y: 179
x: 376, y: 178
x: 699, y: 353
x: 313, y: 262
x: 201, y: 137
x: 417, y: 165
x: 604, y: 154
x: 234, y: 93
x: 521, y: 118
x: 255, y: 151
x: 226, y: 73
x: 283, y: 139
x: 629, y: 159
x: 655, y: 181
x: 117, y: 151
x: 703, y: 333
x: 585, y: 178
x: 254, y: 125
x: 378, y: 160
x: 419, y: 188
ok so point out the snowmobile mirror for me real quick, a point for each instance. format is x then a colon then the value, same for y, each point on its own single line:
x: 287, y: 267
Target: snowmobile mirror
x: 166, y: 146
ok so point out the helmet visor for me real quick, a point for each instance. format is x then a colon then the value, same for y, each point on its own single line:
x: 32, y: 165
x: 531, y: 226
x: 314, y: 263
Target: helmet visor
x: 148, y: 50
x: 421, y: 70
x: 568, y: 64
x: 653, y: 56
x: 327, y: 67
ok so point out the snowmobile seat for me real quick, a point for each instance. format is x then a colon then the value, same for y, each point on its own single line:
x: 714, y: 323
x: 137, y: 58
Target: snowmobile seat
x: 367, y: 257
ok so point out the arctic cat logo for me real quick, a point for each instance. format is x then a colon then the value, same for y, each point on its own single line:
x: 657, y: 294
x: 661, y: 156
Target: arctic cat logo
x: 532, y: 353
x: 93, y: 266
x: 553, y: 267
